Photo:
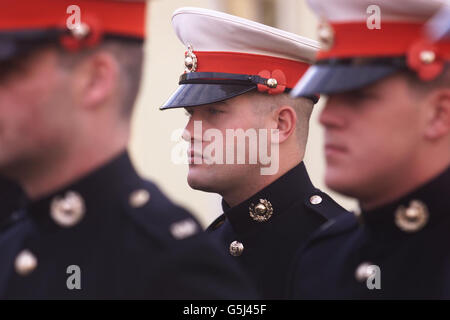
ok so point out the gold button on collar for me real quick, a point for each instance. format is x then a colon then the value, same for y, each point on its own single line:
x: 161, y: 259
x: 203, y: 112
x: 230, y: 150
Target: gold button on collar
x: 261, y: 211
x: 413, y: 218
x: 190, y: 60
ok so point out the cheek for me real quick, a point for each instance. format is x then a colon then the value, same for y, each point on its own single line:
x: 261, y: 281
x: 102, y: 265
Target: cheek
x: 384, y: 145
x: 398, y: 132
x: 28, y: 109
x: 20, y: 108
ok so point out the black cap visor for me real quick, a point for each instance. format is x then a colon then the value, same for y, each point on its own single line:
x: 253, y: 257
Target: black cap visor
x: 201, y: 88
x: 192, y: 95
x: 328, y: 79
x: 18, y: 42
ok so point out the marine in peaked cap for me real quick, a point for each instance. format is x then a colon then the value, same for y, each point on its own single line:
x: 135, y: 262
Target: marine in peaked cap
x: 238, y: 75
x: 387, y: 138
x: 92, y: 228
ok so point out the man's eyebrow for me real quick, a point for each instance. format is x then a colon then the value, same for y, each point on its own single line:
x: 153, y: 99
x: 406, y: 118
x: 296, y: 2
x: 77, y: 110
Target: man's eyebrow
x: 219, y: 103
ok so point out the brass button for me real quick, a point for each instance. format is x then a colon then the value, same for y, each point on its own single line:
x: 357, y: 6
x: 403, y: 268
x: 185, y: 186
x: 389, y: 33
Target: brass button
x: 25, y: 262
x: 69, y: 210
x: 262, y: 211
x: 427, y: 56
x: 315, y: 199
x: 364, y: 271
x: 412, y: 218
x: 183, y: 229
x: 272, y: 83
x: 236, y: 248
x: 139, y: 198
x: 81, y: 31
x: 326, y: 35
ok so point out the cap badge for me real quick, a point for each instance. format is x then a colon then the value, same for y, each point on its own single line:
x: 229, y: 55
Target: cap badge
x: 326, y: 35
x: 190, y: 60
x: 262, y: 211
x: 412, y: 218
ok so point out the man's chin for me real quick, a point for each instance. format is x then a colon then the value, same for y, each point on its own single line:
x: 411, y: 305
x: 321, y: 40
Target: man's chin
x: 197, y: 185
x: 340, y: 182
x: 198, y: 180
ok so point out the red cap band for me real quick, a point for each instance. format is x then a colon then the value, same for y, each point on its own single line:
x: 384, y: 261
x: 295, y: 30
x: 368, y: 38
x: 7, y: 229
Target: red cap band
x: 124, y: 18
x: 393, y: 39
x: 252, y: 64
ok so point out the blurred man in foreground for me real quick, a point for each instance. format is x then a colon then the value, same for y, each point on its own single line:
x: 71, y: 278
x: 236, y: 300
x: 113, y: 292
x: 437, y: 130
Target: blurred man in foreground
x: 92, y: 228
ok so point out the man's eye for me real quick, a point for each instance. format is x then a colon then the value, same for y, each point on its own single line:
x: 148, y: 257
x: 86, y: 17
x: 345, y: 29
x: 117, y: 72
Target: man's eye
x: 363, y: 95
x: 214, y: 111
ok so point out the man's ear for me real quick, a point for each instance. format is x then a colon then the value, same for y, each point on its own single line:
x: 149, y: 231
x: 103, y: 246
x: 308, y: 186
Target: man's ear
x: 438, y: 121
x: 96, y: 79
x: 286, y: 118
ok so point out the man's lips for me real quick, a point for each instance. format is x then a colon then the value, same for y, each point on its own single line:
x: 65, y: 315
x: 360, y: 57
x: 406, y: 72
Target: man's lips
x: 192, y: 154
x: 334, y: 149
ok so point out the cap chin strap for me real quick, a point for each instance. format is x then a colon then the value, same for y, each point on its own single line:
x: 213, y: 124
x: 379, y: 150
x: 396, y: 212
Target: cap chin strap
x: 223, y: 78
x: 398, y: 62
x: 230, y: 79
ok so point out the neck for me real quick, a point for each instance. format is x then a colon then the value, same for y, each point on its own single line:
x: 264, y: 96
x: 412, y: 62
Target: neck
x: 406, y: 181
x: 244, y: 190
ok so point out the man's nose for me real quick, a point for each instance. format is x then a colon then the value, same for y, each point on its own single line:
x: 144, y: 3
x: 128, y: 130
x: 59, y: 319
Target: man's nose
x: 187, y: 132
x: 332, y: 114
x: 193, y: 130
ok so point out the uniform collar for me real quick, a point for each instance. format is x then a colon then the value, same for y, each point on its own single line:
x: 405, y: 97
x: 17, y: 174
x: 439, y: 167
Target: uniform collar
x: 97, y: 188
x: 11, y: 199
x: 391, y: 219
x: 293, y: 186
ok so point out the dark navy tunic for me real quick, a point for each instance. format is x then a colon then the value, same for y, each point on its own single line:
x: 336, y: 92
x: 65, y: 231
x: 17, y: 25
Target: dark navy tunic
x: 269, y: 247
x: 406, y: 239
x: 131, y: 242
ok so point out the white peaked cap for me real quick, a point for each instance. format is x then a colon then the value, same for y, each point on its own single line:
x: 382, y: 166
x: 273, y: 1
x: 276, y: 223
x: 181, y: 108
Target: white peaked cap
x: 229, y: 56
x: 364, y: 41
x: 209, y: 30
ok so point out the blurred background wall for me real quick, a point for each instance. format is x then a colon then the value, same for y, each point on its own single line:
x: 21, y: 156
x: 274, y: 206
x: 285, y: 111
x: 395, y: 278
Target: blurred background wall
x: 151, y: 143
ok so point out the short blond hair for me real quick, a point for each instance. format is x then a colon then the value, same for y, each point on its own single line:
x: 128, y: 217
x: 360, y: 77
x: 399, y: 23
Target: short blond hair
x: 303, y: 108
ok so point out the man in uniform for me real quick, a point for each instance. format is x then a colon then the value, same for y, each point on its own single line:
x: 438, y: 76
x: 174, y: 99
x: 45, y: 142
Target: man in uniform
x: 238, y: 73
x: 387, y: 143
x: 92, y: 228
